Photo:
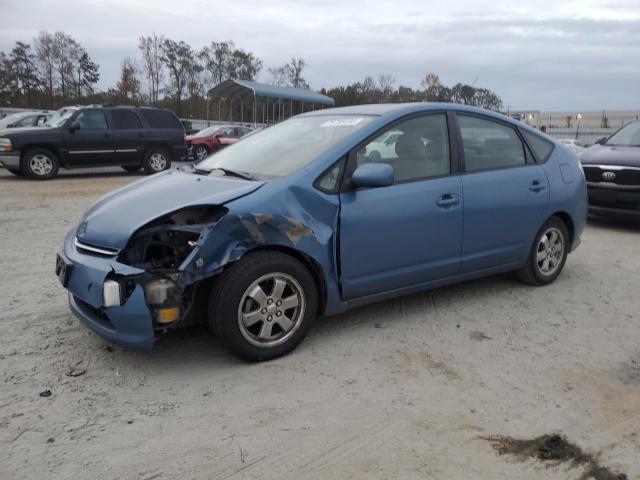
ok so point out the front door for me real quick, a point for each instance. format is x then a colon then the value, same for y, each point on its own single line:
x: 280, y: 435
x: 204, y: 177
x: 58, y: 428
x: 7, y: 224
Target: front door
x: 505, y: 193
x: 87, y: 138
x: 410, y: 232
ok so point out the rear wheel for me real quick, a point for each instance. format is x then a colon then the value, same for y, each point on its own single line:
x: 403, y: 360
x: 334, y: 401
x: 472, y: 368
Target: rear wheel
x: 156, y: 160
x: 548, y: 253
x: 131, y: 168
x: 40, y: 164
x: 263, y: 306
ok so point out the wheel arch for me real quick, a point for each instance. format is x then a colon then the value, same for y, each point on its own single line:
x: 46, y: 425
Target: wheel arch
x: 310, y: 263
x: 568, y: 221
x: 45, y: 146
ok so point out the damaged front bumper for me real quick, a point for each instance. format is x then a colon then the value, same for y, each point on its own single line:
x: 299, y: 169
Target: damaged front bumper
x: 129, y: 324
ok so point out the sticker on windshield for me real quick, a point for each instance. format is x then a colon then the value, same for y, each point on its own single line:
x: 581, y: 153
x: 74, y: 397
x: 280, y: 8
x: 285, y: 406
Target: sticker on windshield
x: 342, y: 122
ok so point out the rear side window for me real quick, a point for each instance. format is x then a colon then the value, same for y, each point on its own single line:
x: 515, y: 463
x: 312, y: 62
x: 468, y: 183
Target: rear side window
x: 161, y: 119
x: 91, y: 120
x: 488, y: 144
x: 540, y: 145
x: 27, y: 121
x: 125, y: 120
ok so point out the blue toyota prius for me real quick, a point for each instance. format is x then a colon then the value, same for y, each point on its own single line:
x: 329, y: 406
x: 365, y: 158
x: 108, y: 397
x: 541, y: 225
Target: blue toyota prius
x: 323, y: 212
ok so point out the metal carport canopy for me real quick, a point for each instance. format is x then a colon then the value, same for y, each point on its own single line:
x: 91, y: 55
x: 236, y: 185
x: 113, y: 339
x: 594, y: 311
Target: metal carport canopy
x: 238, y: 88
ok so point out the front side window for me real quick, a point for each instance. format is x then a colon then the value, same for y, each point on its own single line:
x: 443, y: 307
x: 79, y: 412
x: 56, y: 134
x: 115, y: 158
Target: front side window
x: 488, y: 144
x: 91, y: 120
x: 416, y: 148
x: 629, y: 136
x: 125, y: 120
x: 60, y: 117
x: 282, y: 149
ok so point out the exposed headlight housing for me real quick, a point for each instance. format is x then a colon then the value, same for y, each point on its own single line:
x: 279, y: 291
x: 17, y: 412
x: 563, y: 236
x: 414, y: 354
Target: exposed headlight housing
x: 5, y: 145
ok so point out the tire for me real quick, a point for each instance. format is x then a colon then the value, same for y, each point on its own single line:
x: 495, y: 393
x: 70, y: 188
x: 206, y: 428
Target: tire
x: 545, y: 263
x: 249, y: 313
x: 16, y: 172
x: 40, y: 164
x: 131, y: 168
x: 156, y: 160
x: 200, y: 152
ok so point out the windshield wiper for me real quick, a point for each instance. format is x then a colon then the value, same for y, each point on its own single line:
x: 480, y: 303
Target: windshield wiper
x: 234, y: 173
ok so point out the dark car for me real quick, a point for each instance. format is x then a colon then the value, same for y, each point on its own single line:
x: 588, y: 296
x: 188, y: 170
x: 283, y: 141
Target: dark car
x: 612, y: 171
x: 133, y: 137
x: 214, y: 138
x: 297, y: 221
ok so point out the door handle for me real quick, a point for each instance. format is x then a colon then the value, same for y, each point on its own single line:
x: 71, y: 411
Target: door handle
x: 537, y: 186
x: 448, y: 200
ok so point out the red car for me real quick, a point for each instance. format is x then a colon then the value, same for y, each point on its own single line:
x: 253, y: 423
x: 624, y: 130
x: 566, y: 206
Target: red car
x: 207, y: 141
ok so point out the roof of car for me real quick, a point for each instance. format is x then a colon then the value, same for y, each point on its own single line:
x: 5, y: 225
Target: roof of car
x: 396, y: 110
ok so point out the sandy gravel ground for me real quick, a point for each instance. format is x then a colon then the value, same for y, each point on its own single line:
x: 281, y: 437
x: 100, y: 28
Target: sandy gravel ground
x: 406, y: 389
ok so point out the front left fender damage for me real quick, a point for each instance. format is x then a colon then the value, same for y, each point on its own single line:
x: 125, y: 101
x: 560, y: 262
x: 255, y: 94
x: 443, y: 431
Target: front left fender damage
x: 181, y: 253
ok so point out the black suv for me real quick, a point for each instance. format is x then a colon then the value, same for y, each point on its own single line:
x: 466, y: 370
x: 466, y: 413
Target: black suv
x: 133, y: 137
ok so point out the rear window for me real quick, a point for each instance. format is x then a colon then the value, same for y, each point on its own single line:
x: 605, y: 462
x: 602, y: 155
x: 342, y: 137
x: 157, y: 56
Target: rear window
x: 125, y: 120
x: 161, y: 119
x: 540, y: 145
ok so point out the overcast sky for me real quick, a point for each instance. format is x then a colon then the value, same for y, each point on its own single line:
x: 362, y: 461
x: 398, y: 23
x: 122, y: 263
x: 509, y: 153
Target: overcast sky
x: 542, y: 55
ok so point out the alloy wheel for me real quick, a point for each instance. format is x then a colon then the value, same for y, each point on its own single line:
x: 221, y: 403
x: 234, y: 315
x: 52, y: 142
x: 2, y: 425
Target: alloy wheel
x: 550, y: 251
x: 41, y: 165
x: 201, y: 153
x: 158, y: 161
x: 271, y: 309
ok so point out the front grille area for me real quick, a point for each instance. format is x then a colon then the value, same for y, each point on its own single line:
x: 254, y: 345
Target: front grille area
x: 87, y: 248
x: 623, y: 176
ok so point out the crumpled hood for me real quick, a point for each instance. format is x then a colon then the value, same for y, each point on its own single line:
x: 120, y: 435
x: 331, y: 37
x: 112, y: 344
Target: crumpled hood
x: 611, y: 155
x: 112, y: 220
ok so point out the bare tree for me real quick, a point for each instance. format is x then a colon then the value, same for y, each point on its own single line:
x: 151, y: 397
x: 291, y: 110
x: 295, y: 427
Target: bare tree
x: 179, y: 59
x: 290, y: 74
x: 216, y: 60
x: 151, y: 48
x: 385, y: 84
x: 127, y: 89
x: 46, y: 63
x: 66, y: 55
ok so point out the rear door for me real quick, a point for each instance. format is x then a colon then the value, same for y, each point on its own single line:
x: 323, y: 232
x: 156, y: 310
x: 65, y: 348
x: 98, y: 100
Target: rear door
x: 128, y: 136
x: 410, y: 232
x: 90, y: 143
x: 505, y: 194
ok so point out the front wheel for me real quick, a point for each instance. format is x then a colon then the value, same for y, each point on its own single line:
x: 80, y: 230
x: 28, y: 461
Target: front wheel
x: 263, y: 306
x: 201, y: 152
x: 40, y: 164
x: 156, y: 160
x: 548, y: 254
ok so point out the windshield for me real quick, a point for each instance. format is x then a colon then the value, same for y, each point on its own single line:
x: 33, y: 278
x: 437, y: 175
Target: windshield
x: 206, y: 132
x: 282, y: 149
x: 58, y: 118
x: 629, y: 135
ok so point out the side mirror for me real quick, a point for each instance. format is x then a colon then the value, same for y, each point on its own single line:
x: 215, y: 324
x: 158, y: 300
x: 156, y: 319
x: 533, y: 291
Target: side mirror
x: 74, y: 126
x: 373, y: 175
